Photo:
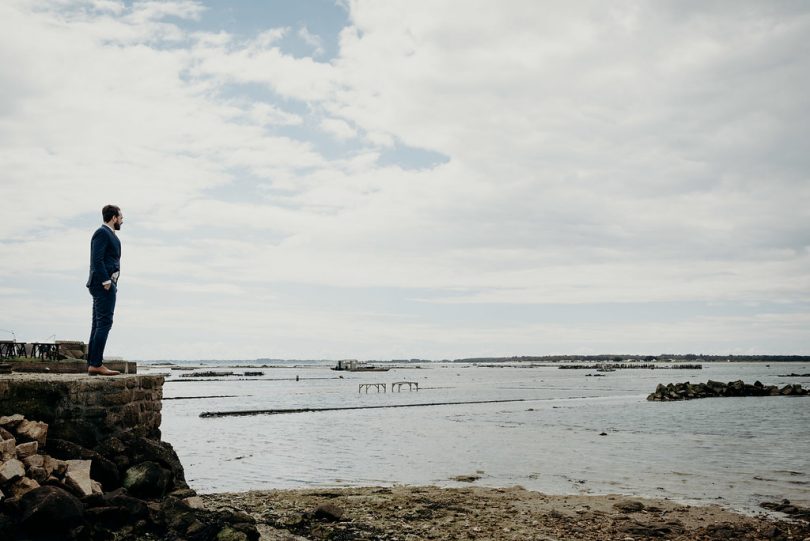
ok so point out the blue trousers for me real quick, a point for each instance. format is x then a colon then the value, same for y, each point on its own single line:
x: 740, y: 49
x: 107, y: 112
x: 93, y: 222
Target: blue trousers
x: 103, y: 308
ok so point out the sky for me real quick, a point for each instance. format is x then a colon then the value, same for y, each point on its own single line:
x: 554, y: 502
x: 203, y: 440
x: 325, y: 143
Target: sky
x: 410, y: 179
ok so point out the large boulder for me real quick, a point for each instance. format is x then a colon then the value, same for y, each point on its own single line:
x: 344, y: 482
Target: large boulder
x: 147, y: 480
x: 143, y: 449
x: 102, y: 469
x: 49, y: 509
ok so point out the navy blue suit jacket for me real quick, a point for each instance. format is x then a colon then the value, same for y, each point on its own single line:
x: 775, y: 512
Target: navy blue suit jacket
x: 105, y: 256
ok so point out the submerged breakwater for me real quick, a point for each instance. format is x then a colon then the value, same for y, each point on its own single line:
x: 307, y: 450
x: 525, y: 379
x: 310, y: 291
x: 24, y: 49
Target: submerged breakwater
x: 242, y: 413
x: 716, y: 389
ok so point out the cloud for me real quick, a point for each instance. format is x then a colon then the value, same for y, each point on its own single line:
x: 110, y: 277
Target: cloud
x: 594, y: 153
x: 312, y: 40
x: 339, y: 128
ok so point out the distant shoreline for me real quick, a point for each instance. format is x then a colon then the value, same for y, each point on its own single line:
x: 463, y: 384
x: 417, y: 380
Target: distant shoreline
x: 550, y: 360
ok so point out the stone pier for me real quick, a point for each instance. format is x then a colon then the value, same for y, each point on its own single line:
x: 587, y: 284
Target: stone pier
x: 81, y: 459
x: 85, y: 409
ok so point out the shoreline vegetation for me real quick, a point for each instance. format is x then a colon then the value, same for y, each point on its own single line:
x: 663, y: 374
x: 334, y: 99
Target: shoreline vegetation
x: 410, y: 513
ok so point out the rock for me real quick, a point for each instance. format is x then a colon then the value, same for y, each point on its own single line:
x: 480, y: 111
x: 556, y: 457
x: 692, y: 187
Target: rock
x: 147, y: 479
x: 38, y: 474
x: 32, y: 431
x: 27, y: 449
x: 110, y: 517
x: 135, y: 508
x: 176, y: 516
x: 629, y: 506
x: 182, y: 493
x: 230, y: 534
x: 688, y: 391
x: 147, y: 450
x: 77, y: 477
x: 22, y: 486
x: 10, y: 421
x: 8, y: 449
x: 34, y: 461
x: 10, y: 470
x: 96, y: 487
x: 466, y: 478
x: 198, y: 530
x: 5, y: 434
x: 328, y: 512
x: 235, y: 516
x: 55, y: 466
x: 49, y: 509
x: 194, y: 502
x: 103, y: 470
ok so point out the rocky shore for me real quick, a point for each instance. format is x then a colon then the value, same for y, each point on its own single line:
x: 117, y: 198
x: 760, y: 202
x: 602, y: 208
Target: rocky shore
x: 404, y: 513
x: 130, y: 487
x: 710, y: 389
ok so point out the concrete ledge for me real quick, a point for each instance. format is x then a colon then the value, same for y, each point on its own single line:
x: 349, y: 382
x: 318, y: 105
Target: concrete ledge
x: 85, y: 409
x: 67, y: 366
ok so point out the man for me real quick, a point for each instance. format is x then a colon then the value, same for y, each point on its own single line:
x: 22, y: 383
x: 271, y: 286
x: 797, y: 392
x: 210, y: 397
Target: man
x: 105, y: 265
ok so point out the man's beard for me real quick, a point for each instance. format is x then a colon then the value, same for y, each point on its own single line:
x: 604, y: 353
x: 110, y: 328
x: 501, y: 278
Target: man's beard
x: 117, y: 226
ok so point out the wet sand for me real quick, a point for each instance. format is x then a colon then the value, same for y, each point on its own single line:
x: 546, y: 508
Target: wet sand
x: 411, y: 513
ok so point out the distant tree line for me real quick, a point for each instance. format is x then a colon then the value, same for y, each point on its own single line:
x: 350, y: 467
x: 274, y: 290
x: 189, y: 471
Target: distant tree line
x: 646, y: 358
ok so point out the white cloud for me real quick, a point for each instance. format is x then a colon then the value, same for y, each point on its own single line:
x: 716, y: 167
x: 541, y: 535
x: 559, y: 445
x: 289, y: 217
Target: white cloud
x: 313, y: 40
x: 266, y: 114
x: 339, y: 128
x: 594, y: 153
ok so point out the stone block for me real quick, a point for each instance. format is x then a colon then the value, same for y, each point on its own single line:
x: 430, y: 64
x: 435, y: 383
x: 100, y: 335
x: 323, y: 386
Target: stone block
x: 27, y: 449
x: 34, y: 461
x: 78, y: 477
x: 79, y: 465
x: 10, y: 470
x: 8, y: 449
x: 118, y: 399
x: 32, y: 431
x: 96, y: 487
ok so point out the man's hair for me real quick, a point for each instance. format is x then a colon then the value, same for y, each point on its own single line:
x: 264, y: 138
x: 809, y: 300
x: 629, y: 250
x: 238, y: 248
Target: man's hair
x: 109, y: 212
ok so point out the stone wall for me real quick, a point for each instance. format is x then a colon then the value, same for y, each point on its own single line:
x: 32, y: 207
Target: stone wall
x: 85, y: 409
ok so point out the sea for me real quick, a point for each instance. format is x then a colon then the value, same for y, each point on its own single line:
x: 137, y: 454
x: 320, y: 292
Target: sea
x: 541, y: 427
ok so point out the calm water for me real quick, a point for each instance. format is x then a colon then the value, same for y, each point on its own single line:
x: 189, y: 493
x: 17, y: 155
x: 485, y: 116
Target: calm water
x: 732, y: 451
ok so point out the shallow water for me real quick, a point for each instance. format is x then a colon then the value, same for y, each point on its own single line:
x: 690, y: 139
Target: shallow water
x: 732, y: 451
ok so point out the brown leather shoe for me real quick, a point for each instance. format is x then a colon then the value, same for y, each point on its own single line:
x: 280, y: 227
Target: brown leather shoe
x: 101, y: 371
